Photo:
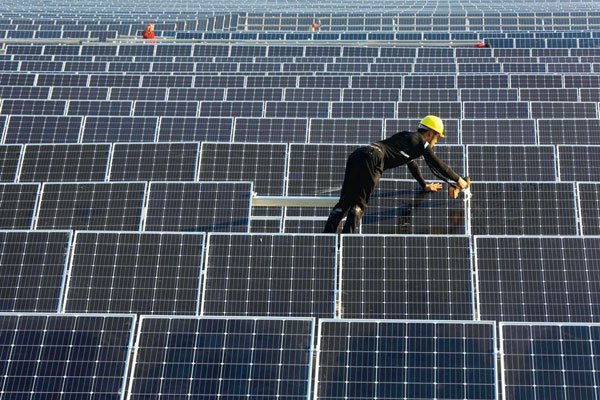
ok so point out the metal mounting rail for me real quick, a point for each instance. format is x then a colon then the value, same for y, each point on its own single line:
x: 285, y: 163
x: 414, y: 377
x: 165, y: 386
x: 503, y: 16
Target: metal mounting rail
x: 293, y: 201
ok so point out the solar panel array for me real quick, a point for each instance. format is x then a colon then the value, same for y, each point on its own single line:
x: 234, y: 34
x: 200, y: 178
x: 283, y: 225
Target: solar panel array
x: 136, y: 263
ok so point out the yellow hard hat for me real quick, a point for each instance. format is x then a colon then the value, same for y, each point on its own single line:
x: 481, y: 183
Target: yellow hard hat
x: 434, y: 123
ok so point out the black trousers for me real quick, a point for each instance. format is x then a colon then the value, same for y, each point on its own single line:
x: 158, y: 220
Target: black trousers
x: 363, y: 171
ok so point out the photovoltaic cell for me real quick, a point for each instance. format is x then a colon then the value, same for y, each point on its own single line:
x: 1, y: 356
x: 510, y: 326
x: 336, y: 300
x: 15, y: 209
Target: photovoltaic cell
x: 363, y: 359
x: 209, y: 357
x: 62, y: 356
x: 119, y: 129
x: 270, y: 130
x: 184, y: 129
x: 523, y: 209
x: 555, y: 361
x: 9, y: 161
x: 393, y: 277
x: 498, y: 131
x: 199, y: 207
x: 149, y: 273
x: 544, y: 279
x: 589, y: 205
x: 33, y: 269
x: 91, y: 206
x: 511, y: 163
x: 270, y: 275
x: 154, y: 162
x: 17, y: 205
x: 345, y: 130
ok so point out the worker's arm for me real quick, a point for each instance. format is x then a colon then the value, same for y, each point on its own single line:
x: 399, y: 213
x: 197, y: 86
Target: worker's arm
x: 438, y: 167
x: 414, y: 169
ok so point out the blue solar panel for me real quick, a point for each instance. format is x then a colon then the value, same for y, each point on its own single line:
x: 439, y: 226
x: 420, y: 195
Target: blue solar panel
x: 43, y: 129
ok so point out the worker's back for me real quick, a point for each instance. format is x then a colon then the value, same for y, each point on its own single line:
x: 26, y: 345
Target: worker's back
x: 400, y: 148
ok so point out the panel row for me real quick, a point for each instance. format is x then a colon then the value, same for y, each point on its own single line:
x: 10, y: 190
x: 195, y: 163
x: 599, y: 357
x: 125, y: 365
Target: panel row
x: 192, y: 161
x: 298, y: 94
x: 397, y: 207
x: 275, y: 358
x: 104, y: 129
x: 384, y: 81
x: 304, y: 109
x: 510, y: 278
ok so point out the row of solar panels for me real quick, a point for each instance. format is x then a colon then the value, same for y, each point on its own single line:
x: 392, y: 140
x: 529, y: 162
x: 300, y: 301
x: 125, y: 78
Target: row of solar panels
x: 23, y: 129
x: 225, y: 50
x: 190, y: 161
x: 303, y: 109
x: 298, y: 94
x: 489, y: 66
x: 209, y: 357
x: 295, y: 275
x: 398, y: 207
x: 434, y: 82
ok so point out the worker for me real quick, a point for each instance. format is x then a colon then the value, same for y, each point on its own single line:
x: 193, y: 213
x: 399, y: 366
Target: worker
x: 149, y: 32
x: 366, y: 164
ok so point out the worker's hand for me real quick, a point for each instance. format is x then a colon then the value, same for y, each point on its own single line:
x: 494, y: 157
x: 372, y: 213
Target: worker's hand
x: 433, y: 187
x: 464, y: 183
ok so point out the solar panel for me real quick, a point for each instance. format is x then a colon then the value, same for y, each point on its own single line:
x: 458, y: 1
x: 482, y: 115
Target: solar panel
x: 166, y: 81
x: 85, y: 66
x: 582, y: 81
x: 312, y: 94
x: 202, y: 49
x: 24, y: 92
x: 130, y: 93
x: 429, y: 81
x: 496, y: 110
x: 9, y: 162
x: 535, y: 81
x: 248, y: 51
x: 154, y: 162
x: 16, y: 79
x: 166, y: 108
x: 115, y: 81
x: 561, y: 131
x: 119, y: 129
x: 196, y: 94
x: 297, y: 109
x: 392, y: 277
x: 289, y: 51
x: 345, y: 130
x: 232, y: 108
x: 33, y: 107
x: 33, y: 269
x: 62, y: 49
x: 536, y: 278
x: 221, y: 81
x: 270, y: 130
x: 548, y: 95
x: 523, y: 209
x: 254, y: 94
x: 560, y: 109
x: 589, y: 208
x: 64, y: 356
x: 41, y: 66
x: 129, y: 66
x: 401, y: 207
x: 93, y: 107
x: 590, y: 94
x: 199, y: 207
x: 323, y: 82
x: 270, y: 275
x: 443, y: 109
x: 541, y: 360
x: 79, y: 93
x: 578, y: 163
x: 412, y: 359
x: 360, y: 110
x: 429, y: 95
x: 149, y: 273
x: 374, y: 82
x: 524, y: 67
x: 512, y: 163
x: 209, y: 357
x: 422, y: 68
x: 174, y: 50
x: 136, y: 50
x: 304, y: 67
x: 59, y: 162
x: 17, y: 205
x: 63, y: 80
x: 451, y: 130
x: 184, y: 129
x: 91, y: 206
